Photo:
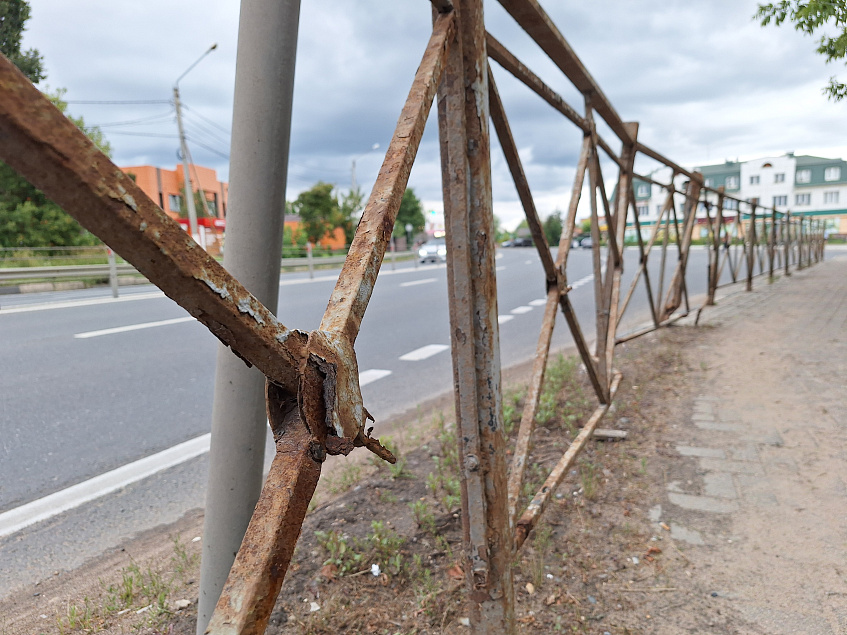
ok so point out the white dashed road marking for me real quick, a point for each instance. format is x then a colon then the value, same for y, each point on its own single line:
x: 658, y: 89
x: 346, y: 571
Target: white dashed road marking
x: 412, y: 283
x: 520, y: 310
x: 539, y: 302
x: 502, y: 319
x: 369, y: 376
x: 424, y: 352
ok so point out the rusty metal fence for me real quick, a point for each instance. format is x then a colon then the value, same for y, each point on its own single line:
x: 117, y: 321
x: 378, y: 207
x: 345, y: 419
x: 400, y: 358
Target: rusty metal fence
x: 314, y: 401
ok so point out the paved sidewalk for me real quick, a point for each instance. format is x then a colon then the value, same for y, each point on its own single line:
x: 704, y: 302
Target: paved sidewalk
x: 763, y: 508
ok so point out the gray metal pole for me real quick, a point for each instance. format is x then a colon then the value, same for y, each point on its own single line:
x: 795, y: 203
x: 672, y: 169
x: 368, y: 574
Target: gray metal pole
x: 264, y: 85
x: 186, y: 177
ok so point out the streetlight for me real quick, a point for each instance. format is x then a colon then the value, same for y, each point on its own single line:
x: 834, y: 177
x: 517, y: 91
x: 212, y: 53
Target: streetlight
x: 189, y: 191
x: 353, y: 178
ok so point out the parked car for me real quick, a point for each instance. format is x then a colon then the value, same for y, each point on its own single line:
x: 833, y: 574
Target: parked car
x: 522, y: 242
x: 434, y: 250
x: 584, y: 242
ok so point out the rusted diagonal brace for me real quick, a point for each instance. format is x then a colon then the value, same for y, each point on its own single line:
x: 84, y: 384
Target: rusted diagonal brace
x: 253, y: 584
x: 48, y: 150
x: 533, y: 396
x: 539, y: 502
x: 353, y: 290
x: 510, y: 151
x: 535, y: 21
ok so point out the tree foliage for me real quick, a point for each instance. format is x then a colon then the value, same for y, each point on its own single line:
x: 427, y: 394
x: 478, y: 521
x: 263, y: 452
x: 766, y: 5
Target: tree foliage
x: 410, y: 213
x: 27, y: 217
x: 553, y: 228
x: 809, y: 17
x: 351, y: 206
x: 319, y: 211
x: 13, y: 17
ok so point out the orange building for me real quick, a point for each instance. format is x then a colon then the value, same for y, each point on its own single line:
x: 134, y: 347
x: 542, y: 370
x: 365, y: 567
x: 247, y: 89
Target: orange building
x: 167, y: 188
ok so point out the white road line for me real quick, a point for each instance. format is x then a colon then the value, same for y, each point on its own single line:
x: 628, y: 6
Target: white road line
x: 132, y: 327
x: 383, y: 272
x: 71, y: 497
x: 69, y: 304
x: 502, y: 319
x: 520, y: 310
x: 424, y: 352
x: 413, y: 283
x: 76, y: 495
x: 369, y: 376
x: 538, y: 302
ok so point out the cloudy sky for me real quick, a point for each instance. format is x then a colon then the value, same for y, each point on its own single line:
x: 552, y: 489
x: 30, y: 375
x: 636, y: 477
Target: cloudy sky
x: 704, y: 80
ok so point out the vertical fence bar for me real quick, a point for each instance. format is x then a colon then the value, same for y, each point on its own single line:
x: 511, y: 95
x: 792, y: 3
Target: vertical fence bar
x: 466, y: 176
x: 772, y: 243
x: 750, y: 240
x: 786, y: 241
x: 716, y: 248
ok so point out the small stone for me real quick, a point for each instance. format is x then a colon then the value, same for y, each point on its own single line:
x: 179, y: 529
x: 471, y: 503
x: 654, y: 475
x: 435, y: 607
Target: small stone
x: 464, y: 621
x: 182, y: 604
x: 714, y: 594
x: 551, y: 599
x: 314, y: 606
x: 592, y: 599
x: 530, y: 588
x: 196, y: 539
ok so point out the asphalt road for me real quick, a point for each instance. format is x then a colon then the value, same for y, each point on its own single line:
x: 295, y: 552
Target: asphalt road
x: 73, y: 407
x: 77, y: 402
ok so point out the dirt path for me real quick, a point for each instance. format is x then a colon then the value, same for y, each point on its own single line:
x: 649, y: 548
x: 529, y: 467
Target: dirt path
x: 723, y: 511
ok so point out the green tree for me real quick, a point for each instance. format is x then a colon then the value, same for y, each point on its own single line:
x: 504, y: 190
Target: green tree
x: 27, y: 217
x: 13, y: 17
x: 319, y: 211
x: 350, y: 207
x: 410, y: 213
x: 810, y: 17
x: 553, y: 228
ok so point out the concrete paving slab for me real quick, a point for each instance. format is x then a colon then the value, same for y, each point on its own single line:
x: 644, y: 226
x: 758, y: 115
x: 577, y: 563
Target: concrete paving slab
x: 714, y: 453
x: 703, y: 503
x: 732, y: 467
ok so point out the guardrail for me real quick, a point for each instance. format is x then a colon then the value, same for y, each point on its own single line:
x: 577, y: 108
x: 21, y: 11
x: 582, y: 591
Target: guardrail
x: 14, y: 274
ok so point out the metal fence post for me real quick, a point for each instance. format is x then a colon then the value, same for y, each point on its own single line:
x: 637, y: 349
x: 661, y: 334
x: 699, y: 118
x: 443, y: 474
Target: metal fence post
x: 466, y: 179
x: 264, y: 85
x: 113, y: 272
x: 751, y: 245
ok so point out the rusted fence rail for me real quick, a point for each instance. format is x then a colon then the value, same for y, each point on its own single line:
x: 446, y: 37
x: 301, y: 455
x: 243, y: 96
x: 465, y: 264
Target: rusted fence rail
x: 314, y: 401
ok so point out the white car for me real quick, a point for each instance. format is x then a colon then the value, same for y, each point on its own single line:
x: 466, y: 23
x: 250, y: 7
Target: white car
x: 434, y: 250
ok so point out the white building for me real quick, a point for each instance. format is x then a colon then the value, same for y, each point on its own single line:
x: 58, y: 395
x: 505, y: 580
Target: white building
x: 803, y: 185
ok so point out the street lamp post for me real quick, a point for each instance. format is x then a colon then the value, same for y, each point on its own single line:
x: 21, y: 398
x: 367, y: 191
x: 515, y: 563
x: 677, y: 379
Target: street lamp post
x: 353, y: 172
x: 189, y: 191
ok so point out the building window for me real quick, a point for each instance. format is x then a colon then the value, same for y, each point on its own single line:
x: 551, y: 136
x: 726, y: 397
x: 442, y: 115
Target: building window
x: 174, y: 203
x: 732, y: 182
x: 730, y: 204
x: 803, y: 176
x: 708, y: 182
x: 830, y: 197
x: 643, y: 210
x: 779, y: 177
x: 780, y: 201
x: 643, y: 190
x: 832, y: 174
x: 754, y: 180
x: 658, y: 209
x: 803, y: 199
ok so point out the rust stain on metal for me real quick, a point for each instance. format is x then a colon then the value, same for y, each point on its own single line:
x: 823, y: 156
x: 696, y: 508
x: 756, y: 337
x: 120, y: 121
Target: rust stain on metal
x: 355, y: 284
